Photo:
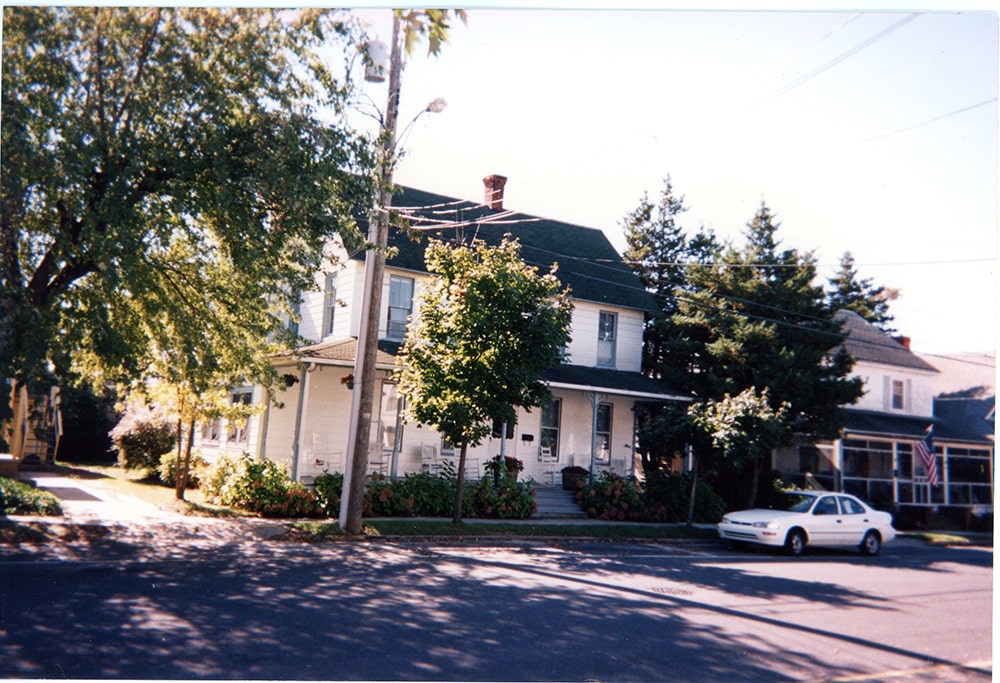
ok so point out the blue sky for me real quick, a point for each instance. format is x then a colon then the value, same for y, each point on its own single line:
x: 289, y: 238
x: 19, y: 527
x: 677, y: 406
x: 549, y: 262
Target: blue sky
x: 873, y: 132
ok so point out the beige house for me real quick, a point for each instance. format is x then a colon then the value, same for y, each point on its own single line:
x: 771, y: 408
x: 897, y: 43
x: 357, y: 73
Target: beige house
x: 590, y: 421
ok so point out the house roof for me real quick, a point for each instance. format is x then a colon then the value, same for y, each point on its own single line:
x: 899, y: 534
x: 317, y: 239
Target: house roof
x: 587, y: 261
x: 965, y: 419
x: 611, y: 381
x: 868, y: 343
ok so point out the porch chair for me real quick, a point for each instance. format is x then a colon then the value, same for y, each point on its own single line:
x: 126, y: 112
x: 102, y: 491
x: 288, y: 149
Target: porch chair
x: 429, y: 459
x: 550, y: 464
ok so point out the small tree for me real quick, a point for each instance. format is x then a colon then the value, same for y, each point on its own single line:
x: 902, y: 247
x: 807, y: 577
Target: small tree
x: 743, y: 429
x: 487, y: 327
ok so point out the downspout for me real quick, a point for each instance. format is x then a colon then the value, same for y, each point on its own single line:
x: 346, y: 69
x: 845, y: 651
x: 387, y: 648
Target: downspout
x: 305, y: 371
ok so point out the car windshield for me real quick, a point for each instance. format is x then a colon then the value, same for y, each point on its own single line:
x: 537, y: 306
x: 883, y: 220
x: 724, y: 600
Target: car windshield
x: 794, y: 502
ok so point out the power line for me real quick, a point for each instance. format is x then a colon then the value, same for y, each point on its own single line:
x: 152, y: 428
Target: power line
x: 837, y: 60
x: 933, y: 120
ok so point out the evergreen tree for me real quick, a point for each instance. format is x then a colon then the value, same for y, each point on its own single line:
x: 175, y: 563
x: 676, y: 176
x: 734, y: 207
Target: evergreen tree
x: 755, y: 320
x: 869, y: 301
x: 660, y: 253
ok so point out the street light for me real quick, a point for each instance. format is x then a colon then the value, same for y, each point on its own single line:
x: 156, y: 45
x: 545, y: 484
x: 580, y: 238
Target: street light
x: 363, y: 396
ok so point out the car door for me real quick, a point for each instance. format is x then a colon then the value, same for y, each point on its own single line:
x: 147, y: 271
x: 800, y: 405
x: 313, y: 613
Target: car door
x: 854, y: 521
x: 824, y: 522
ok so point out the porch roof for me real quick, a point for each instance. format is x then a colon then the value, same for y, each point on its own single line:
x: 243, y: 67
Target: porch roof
x: 608, y: 381
x: 344, y: 352
x: 871, y: 423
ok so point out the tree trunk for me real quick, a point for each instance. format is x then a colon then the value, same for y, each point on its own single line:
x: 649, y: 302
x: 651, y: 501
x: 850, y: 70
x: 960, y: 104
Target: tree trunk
x: 457, y: 517
x: 181, y: 471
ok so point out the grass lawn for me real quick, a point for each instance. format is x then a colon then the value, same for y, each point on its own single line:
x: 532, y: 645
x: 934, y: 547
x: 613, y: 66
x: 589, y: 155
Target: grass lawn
x: 139, y: 484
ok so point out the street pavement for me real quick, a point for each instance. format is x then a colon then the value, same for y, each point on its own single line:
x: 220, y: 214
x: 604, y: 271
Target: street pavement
x: 136, y: 591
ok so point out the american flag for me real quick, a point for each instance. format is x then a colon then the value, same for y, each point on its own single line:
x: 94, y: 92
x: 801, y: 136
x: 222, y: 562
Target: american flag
x: 925, y: 449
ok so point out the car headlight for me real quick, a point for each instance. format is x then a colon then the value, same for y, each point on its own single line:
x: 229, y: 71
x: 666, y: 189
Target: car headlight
x: 725, y: 520
x: 765, y: 525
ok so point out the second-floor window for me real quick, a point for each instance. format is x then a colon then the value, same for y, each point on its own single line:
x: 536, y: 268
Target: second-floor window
x: 329, y: 303
x: 400, y: 306
x: 607, y: 335
x: 898, y: 394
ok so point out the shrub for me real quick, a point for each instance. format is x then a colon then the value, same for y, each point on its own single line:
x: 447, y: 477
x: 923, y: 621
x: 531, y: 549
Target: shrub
x: 666, y: 498
x: 140, y: 439
x: 260, y: 486
x: 168, y: 466
x: 512, y: 499
x: 19, y: 498
x: 613, y: 497
x: 328, y: 489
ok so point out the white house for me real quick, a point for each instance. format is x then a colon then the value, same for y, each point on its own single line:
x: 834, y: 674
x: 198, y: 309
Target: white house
x: 876, y: 457
x: 589, y: 422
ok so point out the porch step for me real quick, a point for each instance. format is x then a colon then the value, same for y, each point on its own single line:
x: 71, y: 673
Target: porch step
x: 555, y: 503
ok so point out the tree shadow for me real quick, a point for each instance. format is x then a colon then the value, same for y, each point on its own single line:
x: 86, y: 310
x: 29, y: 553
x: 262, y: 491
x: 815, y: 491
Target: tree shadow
x: 236, y: 610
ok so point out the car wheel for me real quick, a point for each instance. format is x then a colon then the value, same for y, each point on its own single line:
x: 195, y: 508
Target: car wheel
x: 795, y: 543
x: 871, y: 544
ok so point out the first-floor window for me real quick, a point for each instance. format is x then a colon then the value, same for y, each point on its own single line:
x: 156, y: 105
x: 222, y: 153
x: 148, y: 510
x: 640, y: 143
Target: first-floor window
x: 238, y: 432
x: 550, y: 428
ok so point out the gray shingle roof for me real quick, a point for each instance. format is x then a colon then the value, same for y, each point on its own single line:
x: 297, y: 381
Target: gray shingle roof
x: 587, y: 261
x: 867, y: 343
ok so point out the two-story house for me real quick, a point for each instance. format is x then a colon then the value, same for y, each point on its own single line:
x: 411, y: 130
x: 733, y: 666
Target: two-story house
x: 590, y: 420
x: 876, y: 457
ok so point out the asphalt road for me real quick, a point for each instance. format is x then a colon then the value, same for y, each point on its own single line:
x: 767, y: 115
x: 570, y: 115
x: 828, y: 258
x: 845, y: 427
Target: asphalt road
x: 538, y: 611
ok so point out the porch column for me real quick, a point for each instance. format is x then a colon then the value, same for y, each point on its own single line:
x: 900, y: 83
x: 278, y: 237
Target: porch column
x: 300, y: 413
x: 595, y: 402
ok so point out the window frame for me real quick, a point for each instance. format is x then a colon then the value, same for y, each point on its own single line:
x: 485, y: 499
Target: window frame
x: 393, y: 324
x: 607, y: 338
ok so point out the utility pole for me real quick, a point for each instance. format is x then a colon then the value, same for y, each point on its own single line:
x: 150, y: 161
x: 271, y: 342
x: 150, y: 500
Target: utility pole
x: 362, y: 402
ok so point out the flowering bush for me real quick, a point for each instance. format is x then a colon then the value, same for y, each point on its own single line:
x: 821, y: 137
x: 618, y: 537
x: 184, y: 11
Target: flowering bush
x: 512, y: 499
x: 328, y: 488
x: 260, y: 486
x: 140, y: 439
x: 611, y: 496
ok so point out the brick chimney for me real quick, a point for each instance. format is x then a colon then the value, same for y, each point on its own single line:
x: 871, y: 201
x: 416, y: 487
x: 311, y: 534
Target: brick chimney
x: 494, y: 191
x: 903, y: 341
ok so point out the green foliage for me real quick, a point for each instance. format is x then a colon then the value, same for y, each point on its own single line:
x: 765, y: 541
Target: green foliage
x: 613, y: 497
x: 168, y: 186
x: 140, y: 439
x: 486, y: 328
x: 19, y: 498
x: 260, y: 486
x: 667, y: 498
x: 863, y: 297
x: 512, y: 499
x: 663, y: 498
x: 328, y: 488
x: 167, y: 469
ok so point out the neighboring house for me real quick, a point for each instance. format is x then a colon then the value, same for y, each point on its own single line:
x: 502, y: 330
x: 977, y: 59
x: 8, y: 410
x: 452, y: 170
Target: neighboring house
x: 34, y: 430
x: 876, y: 457
x: 590, y: 421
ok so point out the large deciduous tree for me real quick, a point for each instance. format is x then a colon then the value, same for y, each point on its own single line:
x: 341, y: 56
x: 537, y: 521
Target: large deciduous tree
x: 168, y: 186
x: 487, y: 326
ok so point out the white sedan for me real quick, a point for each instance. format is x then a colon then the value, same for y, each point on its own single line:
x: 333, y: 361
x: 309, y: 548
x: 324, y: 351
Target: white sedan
x: 818, y: 518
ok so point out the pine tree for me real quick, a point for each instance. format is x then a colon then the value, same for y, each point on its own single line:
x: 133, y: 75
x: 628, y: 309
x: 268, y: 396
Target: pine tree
x: 871, y: 302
